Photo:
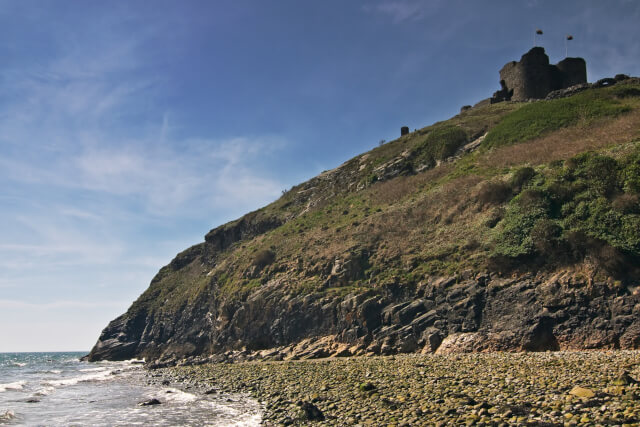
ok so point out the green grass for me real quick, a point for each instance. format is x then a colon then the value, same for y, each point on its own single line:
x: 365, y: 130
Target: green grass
x: 439, y: 144
x: 539, y: 118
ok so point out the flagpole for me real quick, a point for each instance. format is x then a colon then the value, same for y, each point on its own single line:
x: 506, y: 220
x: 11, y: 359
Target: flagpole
x: 567, y: 39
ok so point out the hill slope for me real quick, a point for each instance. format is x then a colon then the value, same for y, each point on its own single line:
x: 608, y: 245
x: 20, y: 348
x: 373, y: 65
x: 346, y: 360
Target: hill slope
x: 512, y: 226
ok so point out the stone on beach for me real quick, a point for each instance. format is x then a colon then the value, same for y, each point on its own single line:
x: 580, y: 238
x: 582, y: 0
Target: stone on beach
x: 150, y: 402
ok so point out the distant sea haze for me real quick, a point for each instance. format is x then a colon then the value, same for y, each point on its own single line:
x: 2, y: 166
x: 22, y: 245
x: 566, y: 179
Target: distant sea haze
x: 57, y: 389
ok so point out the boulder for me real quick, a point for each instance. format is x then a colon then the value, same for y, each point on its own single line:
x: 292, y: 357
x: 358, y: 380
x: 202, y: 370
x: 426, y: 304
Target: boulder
x: 583, y: 392
x: 311, y: 412
x: 150, y: 402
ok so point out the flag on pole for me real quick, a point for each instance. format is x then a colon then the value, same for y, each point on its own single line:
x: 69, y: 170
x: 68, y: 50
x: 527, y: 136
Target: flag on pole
x: 566, y: 46
x: 539, y: 33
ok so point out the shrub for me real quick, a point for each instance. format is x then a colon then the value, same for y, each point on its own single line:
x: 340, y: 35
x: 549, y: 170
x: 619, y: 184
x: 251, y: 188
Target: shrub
x: 626, y: 204
x: 440, y: 144
x: 630, y: 174
x: 533, y: 202
x: 521, y: 177
x: 493, y: 193
x: 545, y: 236
x: 576, y: 198
x: 495, y: 217
x: 514, y: 237
x: 263, y: 258
x: 560, y: 192
x: 599, y: 172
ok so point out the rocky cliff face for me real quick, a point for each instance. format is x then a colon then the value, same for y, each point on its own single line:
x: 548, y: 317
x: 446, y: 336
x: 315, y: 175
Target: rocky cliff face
x: 482, y: 313
x: 451, y: 238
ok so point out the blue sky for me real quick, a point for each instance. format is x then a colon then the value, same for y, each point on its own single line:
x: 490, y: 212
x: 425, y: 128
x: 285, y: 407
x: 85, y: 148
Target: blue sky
x: 128, y: 129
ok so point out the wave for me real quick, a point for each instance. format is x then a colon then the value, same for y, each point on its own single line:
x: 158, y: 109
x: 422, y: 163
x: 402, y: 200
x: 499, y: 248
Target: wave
x: 7, y: 416
x: 18, y: 364
x: 179, y: 396
x: 251, y: 420
x: 44, y: 391
x: 93, y: 369
x: 17, y: 385
x: 99, y: 376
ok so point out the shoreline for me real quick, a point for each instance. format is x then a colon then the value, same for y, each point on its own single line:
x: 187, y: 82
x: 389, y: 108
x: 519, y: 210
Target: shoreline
x: 551, y: 388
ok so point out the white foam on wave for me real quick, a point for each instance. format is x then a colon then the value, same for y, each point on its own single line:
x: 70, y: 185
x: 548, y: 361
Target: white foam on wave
x: 99, y: 376
x: 93, y: 369
x: 53, y: 371
x: 8, y: 415
x: 17, y: 385
x: 44, y: 391
x: 251, y: 420
x: 179, y: 396
x: 18, y: 364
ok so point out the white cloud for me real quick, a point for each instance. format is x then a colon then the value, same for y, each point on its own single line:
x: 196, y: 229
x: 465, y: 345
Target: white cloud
x: 404, y: 10
x: 7, y: 304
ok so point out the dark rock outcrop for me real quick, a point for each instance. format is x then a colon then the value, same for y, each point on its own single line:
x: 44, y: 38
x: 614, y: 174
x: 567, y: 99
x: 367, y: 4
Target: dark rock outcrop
x: 150, y: 402
x: 444, y: 315
x: 248, y: 226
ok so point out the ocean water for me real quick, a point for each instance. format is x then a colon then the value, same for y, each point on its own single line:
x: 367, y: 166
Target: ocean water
x: 56, y: 389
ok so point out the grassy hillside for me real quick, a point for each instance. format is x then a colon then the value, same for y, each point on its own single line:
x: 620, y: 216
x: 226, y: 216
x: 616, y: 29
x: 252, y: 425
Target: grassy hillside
x: 507, y: 187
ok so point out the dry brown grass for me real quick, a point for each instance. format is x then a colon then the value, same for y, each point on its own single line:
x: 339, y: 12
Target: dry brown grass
x: 391, y: 191
x: 566, y: 143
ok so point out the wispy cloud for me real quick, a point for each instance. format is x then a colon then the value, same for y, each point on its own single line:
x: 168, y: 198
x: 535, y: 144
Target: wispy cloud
x: 58, y: 305
x: 100, y: 184
x: 404, y: 10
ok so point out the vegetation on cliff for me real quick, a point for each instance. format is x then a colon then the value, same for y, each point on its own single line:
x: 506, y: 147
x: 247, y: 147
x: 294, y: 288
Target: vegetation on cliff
x: 503, y: 188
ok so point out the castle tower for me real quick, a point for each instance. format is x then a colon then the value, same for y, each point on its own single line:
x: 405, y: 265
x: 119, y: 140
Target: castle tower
x: 574, y: 71
x: 533, y: 77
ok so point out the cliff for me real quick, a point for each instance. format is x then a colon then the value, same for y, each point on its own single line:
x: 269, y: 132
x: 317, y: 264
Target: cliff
x: 512, y: 226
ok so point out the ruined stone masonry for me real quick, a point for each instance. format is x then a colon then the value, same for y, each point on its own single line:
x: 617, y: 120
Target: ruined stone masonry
x: 533, y: 77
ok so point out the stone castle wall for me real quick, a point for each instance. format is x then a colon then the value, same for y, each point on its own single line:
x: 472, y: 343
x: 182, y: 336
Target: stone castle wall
x: 533, y: 77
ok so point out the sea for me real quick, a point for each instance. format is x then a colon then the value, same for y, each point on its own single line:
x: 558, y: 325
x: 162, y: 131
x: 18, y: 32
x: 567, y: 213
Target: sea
x: 57, y: 389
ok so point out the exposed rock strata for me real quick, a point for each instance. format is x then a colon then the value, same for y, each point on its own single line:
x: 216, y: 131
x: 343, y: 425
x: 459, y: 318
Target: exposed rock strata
x: 445, y: 315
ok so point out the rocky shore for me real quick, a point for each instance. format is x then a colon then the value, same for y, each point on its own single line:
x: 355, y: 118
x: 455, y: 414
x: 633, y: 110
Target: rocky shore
x: 549, y: 388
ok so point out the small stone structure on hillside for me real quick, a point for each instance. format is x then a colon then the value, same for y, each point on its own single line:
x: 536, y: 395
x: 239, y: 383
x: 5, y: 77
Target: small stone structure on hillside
x: 533, y: 77
x: 404, y: 130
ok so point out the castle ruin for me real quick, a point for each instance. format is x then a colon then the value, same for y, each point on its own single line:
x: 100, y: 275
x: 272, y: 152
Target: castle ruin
x: 533, y: 77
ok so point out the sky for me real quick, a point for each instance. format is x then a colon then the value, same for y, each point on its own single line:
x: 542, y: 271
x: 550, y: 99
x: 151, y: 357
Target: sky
x: 129, y: 129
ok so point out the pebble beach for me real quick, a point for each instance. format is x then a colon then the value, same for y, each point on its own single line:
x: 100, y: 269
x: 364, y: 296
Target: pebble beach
x: 551, y: 388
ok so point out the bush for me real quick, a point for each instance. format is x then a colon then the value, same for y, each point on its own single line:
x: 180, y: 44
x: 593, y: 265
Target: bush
x: 533, y: 200
x: 440, y: 144
x: 570, y: 215
x: 521, y: 177
x: 560, y: 192
x: 600, y: 173
x: 493, y: 193
x: 514, y: 236
x: 630, y: 174
x: 263, y: 258
x: 626, y: 204
x: 545, y: 236
x: 494, y: 217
